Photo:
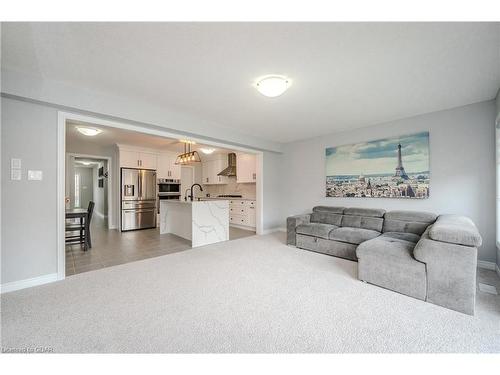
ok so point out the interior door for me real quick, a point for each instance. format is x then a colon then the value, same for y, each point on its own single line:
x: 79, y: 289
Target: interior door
x: 84, y: 187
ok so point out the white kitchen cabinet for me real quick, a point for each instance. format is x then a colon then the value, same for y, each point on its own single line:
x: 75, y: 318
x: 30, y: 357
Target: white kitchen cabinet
x: 210, y: 169
x: 246, y: 168
x: 242, y: 213
x: 167, y: 167
x: 137, y: 159
x: 129, y: 159
x: 148, y: 160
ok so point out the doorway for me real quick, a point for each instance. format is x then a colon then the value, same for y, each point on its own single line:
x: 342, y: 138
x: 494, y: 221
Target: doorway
x: 135, y: 245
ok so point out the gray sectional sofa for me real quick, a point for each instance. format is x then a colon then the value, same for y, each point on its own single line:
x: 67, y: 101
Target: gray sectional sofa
x: 420, y: 254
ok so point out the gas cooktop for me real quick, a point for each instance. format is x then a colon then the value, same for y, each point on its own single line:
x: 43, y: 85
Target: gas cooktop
x: 229, y: 196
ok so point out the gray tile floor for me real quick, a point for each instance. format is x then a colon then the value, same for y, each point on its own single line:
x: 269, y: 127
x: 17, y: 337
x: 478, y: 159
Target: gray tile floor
x: 112, y: 247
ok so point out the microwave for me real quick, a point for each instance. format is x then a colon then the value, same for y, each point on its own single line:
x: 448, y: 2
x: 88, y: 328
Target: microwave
x: 169, y: 186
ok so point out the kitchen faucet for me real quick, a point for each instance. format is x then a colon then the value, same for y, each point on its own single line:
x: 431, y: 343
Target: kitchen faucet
x: 192, y: 193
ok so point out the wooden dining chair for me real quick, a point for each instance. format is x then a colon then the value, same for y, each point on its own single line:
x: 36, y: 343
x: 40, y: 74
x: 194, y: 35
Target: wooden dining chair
x: 83, y: 228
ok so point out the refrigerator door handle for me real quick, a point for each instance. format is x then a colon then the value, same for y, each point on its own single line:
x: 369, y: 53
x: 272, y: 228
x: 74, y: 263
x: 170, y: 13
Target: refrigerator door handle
x: 140, y: 185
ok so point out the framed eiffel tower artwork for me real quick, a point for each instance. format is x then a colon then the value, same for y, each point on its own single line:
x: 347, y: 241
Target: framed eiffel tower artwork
x: 395, y: 167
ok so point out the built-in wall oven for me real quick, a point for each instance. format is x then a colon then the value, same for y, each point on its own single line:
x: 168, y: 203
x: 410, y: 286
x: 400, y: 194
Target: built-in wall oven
x: 168, y: 189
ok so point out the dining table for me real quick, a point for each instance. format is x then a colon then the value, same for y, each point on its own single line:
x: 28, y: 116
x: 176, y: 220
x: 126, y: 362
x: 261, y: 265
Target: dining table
x: 81, y: 214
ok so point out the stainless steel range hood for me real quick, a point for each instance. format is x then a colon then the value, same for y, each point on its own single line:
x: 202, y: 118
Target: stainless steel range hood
x: 230, y: 171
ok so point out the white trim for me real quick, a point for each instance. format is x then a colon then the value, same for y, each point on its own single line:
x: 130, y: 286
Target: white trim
x: 259, y: 190
x: 61, y: 195
x: 28, y: 283
x: 486, y: 265
x: 273, y: 230
x: 244, y: 227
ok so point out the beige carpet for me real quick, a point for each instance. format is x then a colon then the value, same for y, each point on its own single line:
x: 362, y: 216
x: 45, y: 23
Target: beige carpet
x: 250, y: 295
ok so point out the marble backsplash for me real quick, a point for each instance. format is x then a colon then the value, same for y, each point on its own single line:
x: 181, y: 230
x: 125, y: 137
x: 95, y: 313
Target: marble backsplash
x: 246, y: 190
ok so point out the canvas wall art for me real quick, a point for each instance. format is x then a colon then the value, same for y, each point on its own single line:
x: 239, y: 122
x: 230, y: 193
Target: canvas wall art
x: 395, y: 167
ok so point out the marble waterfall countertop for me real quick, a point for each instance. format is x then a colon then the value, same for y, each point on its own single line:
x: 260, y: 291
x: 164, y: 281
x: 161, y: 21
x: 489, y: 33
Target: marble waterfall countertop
x: 201, y: 222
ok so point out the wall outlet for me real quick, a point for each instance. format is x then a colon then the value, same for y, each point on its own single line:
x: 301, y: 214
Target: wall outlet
x: 35, y: 175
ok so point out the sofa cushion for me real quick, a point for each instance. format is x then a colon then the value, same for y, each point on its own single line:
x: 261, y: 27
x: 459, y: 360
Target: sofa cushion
x: 410, y: 237
x: 419, y: 216
x: 315, y: 229
x: 389, y: 263
x: 332, y: 209
x: 371, y: 212
x: 326, y: 217
x: 365, y: 222
x: 415, y: 222
x: 353, y: 235
x: 455, y: 229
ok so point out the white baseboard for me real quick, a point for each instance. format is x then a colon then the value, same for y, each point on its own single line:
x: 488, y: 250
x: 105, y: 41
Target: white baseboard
x: 28, y: 283
x: 486, y: 265
x: 273, y: 230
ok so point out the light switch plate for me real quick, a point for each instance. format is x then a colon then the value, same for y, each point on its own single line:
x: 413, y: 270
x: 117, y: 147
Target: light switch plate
x: 35, y: 175
x: 15, y: 163
x: 15, y: 174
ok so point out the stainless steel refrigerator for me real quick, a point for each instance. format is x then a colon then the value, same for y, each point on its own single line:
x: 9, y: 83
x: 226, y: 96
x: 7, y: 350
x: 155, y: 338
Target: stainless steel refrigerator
x: 138, y: 199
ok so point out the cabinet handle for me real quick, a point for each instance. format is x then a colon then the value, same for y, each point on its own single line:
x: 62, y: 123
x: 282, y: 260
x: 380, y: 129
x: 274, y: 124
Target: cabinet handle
x: 254, y: 176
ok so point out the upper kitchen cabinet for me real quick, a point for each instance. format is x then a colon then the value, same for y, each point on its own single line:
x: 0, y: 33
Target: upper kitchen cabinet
x: 167, y: 167
x: 135, y: 158
x: 246, y: 168
x: 211, y: 168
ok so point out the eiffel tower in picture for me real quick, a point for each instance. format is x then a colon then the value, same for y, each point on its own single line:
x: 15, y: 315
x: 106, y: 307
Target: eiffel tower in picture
x: 400, y: 170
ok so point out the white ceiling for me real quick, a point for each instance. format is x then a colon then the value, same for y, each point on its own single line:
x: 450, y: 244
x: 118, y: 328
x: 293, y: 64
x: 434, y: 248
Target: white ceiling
x: 345, y: 75
x: 112, y: 136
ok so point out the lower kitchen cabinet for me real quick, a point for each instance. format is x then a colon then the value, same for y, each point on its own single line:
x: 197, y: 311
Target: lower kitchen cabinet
x: 242, y: 213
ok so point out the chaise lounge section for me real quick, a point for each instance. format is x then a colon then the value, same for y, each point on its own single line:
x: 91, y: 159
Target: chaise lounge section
x: 414, y: 253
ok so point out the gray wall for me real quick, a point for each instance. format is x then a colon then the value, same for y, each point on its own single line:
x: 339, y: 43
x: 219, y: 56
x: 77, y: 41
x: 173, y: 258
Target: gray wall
x: 274, y: 190
x: 462, y: 166
x: 29, y: 132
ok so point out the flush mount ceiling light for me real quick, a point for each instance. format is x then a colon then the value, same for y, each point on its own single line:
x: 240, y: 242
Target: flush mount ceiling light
x: 272, y: 85
x: 207, y: 151
x: 90, y: 132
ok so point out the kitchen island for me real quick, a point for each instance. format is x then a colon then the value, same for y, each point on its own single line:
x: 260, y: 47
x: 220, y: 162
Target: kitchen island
x: 201, y: 222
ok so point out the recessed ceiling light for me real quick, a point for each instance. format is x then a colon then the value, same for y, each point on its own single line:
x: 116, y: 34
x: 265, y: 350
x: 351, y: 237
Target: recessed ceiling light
x: 90, y: 132
x: 207, y: 151
x: 272, y: 85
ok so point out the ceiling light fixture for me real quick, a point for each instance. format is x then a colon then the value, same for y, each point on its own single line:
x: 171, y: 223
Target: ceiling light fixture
x: 90, y: 132
x: 207, y: 151
x: 272, y: 85
x: 188, y: 156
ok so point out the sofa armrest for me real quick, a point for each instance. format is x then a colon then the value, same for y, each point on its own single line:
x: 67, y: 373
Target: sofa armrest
x: 459, y: 230
x: 293, y: 222
x: 451, y: 272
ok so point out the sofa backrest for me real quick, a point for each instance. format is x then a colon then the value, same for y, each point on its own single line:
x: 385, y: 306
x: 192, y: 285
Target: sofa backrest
x: 366, y: 218
x: 408, y: 221
x: 327, y: 215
